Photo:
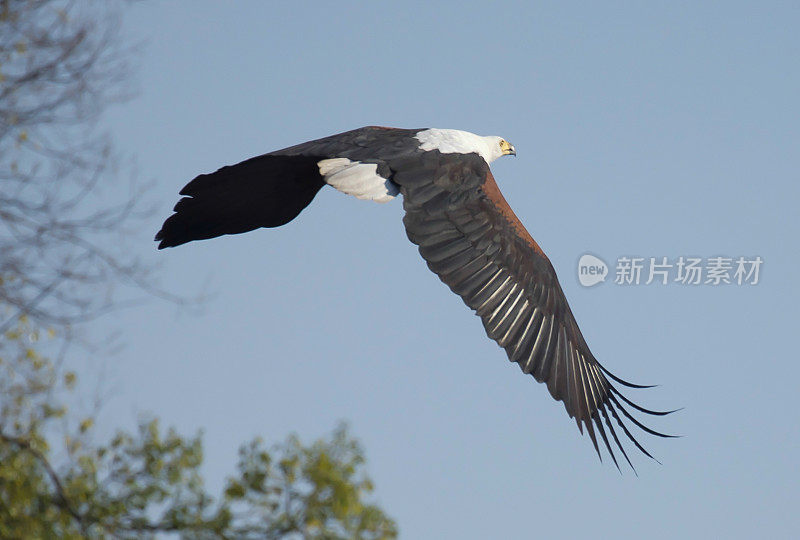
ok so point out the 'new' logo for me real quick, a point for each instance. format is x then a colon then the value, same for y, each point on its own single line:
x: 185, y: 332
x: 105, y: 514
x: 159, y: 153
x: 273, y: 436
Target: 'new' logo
x: 591, y: 270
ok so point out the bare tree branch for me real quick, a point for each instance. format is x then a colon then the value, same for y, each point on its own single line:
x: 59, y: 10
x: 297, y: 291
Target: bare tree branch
x: 65, y: 208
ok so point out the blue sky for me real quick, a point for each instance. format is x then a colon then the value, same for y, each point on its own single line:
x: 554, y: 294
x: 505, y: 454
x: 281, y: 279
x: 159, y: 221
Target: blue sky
x: 641, y: 129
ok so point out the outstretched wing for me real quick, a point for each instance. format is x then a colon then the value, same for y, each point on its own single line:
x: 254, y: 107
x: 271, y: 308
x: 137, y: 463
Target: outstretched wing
x: 272, y: 189
x: 472, y: 240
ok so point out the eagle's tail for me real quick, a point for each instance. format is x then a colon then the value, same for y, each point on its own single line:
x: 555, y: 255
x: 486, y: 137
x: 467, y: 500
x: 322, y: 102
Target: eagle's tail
x: 265, y: 191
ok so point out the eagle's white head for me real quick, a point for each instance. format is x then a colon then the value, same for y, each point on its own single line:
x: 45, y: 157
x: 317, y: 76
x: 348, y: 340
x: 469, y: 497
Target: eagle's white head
x: 450, y: 141
x: 505, y: 148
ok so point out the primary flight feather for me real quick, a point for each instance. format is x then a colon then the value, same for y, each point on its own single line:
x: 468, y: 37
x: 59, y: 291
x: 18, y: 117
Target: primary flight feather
x: 465, y: 230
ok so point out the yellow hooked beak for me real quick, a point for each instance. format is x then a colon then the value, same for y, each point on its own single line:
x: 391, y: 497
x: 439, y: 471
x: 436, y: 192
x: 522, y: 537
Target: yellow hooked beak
x: 507, y: 148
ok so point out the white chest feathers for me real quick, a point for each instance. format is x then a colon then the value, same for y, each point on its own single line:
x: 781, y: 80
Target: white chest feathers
x: 358, y: 179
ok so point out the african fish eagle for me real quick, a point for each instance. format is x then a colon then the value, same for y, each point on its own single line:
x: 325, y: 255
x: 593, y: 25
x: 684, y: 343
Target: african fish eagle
x: 465, y: 230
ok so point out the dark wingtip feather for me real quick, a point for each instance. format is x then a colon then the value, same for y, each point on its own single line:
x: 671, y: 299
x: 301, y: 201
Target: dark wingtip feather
x: 596, y: 418
x: 624, y: 382
x: 616, y: 439
x: 172, y: 233
x: 265, y: 191
x: 639, y: 407
x: 160, y: 238
x: 628, y: 433
x: 592, y: 436
x: 639, y: 424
